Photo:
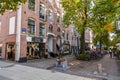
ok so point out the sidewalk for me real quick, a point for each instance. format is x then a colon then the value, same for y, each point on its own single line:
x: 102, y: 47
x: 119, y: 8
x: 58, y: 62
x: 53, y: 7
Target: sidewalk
x: 4, y: 64
x: 20, y: 72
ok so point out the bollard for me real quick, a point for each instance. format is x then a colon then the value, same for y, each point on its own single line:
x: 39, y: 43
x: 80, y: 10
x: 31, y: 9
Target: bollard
x: 99, y: 67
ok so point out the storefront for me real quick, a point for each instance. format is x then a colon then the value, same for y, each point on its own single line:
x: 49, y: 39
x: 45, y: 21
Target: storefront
x: 35, y: 48
x: 10, y: 51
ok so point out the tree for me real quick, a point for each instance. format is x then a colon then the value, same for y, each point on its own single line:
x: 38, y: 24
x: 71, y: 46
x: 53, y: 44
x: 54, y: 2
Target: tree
x: 9, y: 5
x: 104, y: 16
x: 76, y: 12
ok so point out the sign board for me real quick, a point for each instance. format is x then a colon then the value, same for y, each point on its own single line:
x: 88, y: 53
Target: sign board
x: 37, y: 39
x: 29, y: 39
x: 23, y: 30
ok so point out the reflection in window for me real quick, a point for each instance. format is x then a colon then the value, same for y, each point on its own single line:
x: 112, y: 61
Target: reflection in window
x: 58, y: 17
x: 42, y: 29
x: 42, y: 13
x: 31, y: 27
x: 51, y: 14
x: 31, y: 5
x: 58, y: 3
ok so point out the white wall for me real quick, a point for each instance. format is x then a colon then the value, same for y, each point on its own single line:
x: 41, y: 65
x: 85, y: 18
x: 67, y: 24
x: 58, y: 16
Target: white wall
x: 12, y: 25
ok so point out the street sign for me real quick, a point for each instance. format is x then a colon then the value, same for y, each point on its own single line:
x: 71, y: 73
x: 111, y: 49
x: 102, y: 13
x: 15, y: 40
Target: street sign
x: 23, y: 30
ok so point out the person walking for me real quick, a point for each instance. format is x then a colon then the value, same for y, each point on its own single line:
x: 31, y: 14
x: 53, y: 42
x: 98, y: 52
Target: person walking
x: 110, y: 52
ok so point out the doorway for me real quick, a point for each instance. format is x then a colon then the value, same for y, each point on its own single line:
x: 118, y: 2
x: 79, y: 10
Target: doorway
x: 11, y: 51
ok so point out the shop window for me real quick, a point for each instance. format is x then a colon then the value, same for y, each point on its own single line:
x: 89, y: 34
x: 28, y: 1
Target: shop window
x: 31, y: 5
x: 42, y: 12
x: 31, y: 27
x: 51, y: 14
x: 42, y: 29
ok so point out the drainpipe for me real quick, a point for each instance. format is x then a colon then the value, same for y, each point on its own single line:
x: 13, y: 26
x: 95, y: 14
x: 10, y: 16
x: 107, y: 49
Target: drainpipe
x: 18, y: 32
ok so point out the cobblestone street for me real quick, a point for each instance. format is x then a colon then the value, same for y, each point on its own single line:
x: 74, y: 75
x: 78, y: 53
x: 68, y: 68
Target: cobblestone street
x: 110, y: 66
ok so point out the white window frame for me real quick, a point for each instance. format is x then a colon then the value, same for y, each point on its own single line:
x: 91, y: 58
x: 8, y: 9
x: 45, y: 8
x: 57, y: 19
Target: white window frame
x: 51, y: 14
x: 43, y: 30
x: 34, y: 26
x: 43, y: 12
x: 31, y: 9
x: 12, y: 25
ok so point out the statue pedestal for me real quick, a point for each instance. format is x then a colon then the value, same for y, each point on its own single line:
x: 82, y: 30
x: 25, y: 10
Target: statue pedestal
x: 61, y: 64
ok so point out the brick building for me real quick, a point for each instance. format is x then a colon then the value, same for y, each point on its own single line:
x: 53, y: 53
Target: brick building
x: 36, y: 24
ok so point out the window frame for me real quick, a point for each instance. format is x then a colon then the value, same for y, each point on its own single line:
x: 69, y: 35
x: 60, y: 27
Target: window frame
x: 33, y: 25
x: 29, y: 5
x: 42, y: 8
x: 51, y: 14
x: 42, y: 29
x: 58, y: 17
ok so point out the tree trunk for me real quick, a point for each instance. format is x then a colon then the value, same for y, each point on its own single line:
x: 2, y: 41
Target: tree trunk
x: 83, y: 41
x: 84, y: 26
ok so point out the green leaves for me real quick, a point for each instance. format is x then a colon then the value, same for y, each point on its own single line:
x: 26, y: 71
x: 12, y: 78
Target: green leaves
x: 9, y: 5
x: 75, y: 12
x: 105, y: 13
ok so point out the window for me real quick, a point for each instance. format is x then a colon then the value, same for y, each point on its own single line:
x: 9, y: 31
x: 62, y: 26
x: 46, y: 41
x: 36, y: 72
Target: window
x: 58, y: 3
x: 51, y: 15
x: 42, y: 30
x: 63, y: 34
x: 67, y: 35
x: 58, y: 29
x: 31, y: 5
x: 12, y: 25
x: 31, y: 27
x: 58, y: 17
x: 42, y: 13
x: 50, y: 1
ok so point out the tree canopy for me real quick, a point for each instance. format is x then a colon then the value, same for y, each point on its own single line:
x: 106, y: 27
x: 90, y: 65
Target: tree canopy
x: 99, y: 15
x: 9, y: 5
x: 105, y: 14
x: 76, y: 12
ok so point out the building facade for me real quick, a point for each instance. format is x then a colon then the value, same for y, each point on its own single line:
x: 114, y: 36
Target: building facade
x: 36, y: 27
x: 89, y: 38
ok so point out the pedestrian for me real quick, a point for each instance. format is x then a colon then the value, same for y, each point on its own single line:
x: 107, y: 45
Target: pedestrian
x: 110, y: 52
